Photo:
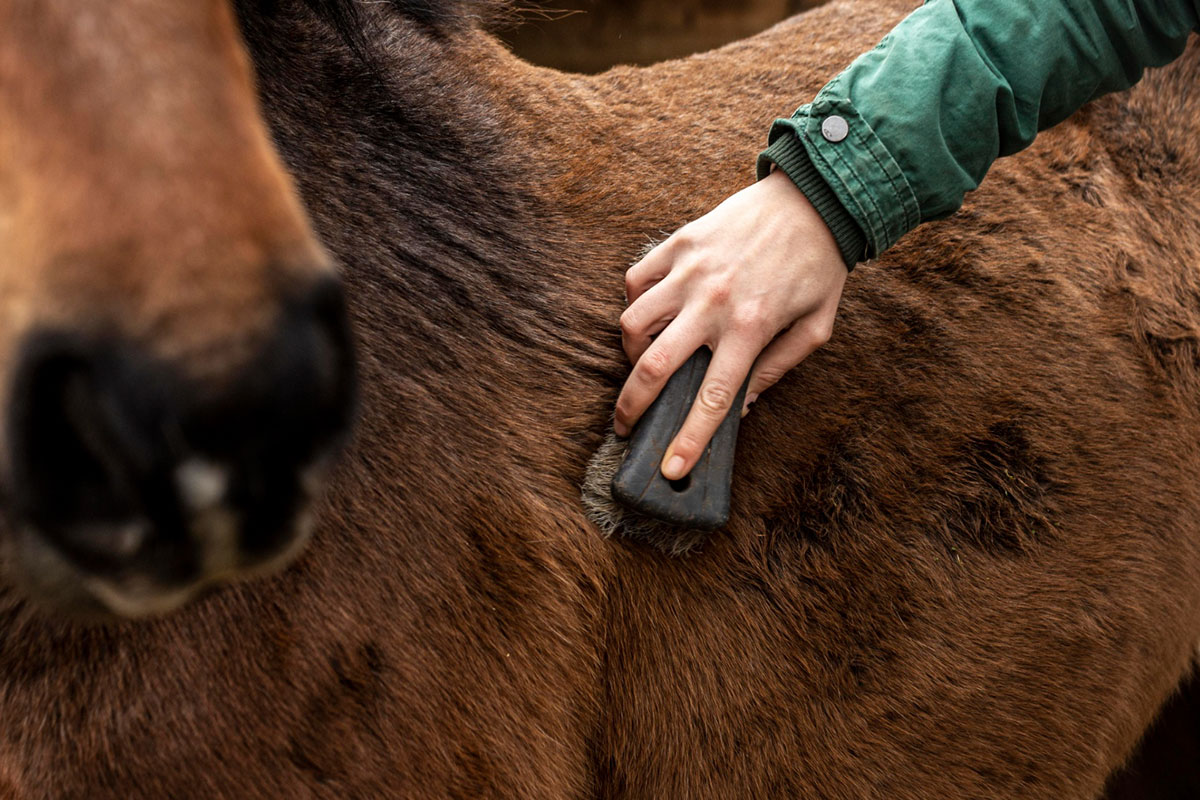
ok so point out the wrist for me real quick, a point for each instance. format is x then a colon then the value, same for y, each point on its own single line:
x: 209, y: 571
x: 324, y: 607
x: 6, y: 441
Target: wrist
x: 788, y: 154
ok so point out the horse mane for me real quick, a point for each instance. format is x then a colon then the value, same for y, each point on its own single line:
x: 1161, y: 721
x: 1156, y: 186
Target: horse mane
x: 347, y: 17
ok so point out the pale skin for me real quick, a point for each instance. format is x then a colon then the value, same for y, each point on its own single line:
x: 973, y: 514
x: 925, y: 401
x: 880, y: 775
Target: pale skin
x: 758, y: 279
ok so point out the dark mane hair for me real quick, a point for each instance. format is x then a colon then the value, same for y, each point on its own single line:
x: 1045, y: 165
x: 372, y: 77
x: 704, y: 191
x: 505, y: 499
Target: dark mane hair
x: 441, y: 16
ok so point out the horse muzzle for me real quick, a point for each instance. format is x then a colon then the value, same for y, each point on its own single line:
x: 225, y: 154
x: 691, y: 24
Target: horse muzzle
x: 133, y: 486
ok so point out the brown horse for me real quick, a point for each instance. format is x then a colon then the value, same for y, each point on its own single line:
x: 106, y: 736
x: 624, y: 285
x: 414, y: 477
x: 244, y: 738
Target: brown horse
x: 964, y: 558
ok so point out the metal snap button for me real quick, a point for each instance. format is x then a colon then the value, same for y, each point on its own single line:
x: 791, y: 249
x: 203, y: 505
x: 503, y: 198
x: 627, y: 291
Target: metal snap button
x: 835, y: 128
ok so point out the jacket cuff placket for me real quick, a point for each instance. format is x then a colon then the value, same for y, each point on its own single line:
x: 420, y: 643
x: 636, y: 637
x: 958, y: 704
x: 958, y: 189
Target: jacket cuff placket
x: 858, y: 169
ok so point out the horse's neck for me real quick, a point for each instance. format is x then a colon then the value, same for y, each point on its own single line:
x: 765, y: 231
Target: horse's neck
x: 485, y: 181
x: 484, y: 211
x: 488, y: 361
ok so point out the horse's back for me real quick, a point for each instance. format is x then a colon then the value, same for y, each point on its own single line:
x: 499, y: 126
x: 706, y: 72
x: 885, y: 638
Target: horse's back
x: 965, y: 556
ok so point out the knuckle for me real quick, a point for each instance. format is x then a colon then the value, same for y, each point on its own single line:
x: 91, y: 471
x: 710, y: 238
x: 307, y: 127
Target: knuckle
x: 820, y: 333
x: 687, y: 445
x: 742, y: 322
x: 629, y: 321
x: 719, y: 292
x: 823, y: 332
x: 684, y: 238
x: 715, y: 397
x: 654, y: 366
x: 771, y: 375
x: 747, y: 321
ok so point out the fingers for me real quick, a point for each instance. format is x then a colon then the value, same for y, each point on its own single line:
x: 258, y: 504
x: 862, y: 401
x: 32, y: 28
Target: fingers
x: 726, y: 372
x: 648, y: 316
x: 782, y: 355
x: 647, y: 272
x: 666, y: 354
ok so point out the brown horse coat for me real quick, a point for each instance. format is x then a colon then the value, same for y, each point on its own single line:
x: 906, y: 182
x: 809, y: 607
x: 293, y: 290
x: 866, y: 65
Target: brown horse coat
x: 964, y: 559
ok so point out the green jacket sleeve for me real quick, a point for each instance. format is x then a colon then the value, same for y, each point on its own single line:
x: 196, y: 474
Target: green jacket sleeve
x: 911, y: 126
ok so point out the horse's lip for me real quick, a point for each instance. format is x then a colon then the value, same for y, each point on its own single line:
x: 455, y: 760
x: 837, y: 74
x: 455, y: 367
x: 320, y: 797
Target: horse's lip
x: 140, y: 599
x: 57, y: 585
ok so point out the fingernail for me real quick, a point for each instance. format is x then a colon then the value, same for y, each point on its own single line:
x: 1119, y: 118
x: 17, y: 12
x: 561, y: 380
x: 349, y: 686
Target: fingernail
x: 621, y: 430
x: 750, y: 398
x: 674, y: 469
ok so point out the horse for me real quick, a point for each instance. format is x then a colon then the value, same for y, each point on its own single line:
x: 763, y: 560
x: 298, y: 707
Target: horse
x: 962, y: 559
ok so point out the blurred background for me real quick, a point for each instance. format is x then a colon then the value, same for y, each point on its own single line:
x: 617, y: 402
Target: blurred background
x: 593, y: 35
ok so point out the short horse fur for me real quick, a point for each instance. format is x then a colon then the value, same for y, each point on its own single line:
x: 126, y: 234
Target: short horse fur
x: 964, y: 558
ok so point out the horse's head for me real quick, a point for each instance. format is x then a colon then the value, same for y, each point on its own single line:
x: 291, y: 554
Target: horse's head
x: 174, y: 362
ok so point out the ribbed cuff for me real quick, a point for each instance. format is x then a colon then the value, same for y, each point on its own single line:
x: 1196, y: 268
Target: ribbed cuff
x: 789, y: 155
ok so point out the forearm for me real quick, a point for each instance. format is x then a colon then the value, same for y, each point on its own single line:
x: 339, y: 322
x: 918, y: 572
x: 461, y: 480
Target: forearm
x: 954, y: 86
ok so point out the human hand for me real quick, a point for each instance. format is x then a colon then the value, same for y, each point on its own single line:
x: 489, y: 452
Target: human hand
x: 757, y: 279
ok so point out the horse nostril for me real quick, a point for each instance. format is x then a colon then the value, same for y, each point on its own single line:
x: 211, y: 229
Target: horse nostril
x: 79, y: 457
